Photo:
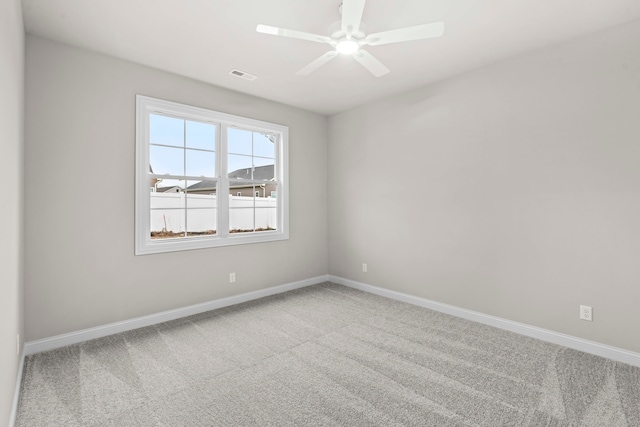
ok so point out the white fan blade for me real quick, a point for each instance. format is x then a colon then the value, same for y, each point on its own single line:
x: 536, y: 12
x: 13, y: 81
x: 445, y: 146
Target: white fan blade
x: 370, y: 63
x: 352, y: 15
x: 425, y: 31
x: 267, y: 29
x: 317, y: 63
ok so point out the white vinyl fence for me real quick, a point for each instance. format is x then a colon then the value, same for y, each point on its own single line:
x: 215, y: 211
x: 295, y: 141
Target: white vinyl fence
x: 168, y: 213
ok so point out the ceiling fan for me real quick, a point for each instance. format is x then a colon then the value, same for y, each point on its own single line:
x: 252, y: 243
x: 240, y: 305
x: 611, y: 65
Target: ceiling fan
x: 347, y: 38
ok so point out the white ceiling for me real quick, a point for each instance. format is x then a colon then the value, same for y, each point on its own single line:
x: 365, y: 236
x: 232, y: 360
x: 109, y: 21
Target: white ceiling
x: 205, y: 39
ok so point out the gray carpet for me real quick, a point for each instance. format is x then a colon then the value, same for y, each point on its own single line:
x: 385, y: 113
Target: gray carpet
x: 325, y: 355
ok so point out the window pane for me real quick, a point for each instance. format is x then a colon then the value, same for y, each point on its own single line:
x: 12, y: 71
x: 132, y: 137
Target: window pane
x: 201, y: 135
x: 254, y: 210
x: 266, y: 215
x: 166, y: 160
x: 239, y: 141
x: 201, y: 222
x: 241, y: 208
x: 263, y: 146
x: 166, y: 130
x: 167, y: 223
x: 167, y: 210
x: 241, y: 220
x: 201, y: 163
x: 240, y: 167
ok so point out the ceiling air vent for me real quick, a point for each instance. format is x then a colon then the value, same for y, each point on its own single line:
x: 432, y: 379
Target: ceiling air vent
x: 243, y: 75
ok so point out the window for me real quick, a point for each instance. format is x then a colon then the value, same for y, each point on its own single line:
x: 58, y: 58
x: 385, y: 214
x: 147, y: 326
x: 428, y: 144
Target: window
x: 209, y: 174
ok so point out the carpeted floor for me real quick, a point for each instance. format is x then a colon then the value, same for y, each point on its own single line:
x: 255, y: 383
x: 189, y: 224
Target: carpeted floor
x: 325, y: 355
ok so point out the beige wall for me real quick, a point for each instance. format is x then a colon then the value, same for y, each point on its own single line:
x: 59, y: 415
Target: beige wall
x: 11, y: 152
x: 532, y: 198
x: 80, y: 125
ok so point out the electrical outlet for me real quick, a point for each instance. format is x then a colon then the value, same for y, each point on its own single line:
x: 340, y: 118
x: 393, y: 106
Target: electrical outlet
x: 586, y: 313
x: 17, y: 344
x: 364, y: 267
x: 232, y: 277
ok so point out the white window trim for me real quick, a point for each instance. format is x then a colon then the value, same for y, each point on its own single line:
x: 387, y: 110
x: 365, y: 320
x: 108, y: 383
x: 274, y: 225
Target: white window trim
x: 143, y: 243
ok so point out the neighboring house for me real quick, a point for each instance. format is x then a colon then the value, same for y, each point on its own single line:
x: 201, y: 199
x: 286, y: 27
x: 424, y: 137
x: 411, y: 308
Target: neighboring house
x: 173, y: 189
x: 155, y: 189
x: 238, y: 188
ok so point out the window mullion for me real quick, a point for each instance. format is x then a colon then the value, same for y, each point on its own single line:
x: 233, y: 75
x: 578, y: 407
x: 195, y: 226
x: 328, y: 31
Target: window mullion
x: 184, y: 173
x: 222, y: 190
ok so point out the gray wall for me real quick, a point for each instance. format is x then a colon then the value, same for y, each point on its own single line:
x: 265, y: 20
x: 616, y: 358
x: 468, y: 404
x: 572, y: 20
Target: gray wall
x: 513, y: 190
x: 80, y: 270
x: 11, y: 152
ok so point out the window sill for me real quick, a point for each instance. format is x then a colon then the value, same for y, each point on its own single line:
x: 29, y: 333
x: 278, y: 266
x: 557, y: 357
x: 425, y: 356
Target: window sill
x: 149, y: 246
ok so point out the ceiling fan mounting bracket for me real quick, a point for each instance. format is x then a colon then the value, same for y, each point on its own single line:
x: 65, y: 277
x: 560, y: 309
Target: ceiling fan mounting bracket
x: 336, y: 32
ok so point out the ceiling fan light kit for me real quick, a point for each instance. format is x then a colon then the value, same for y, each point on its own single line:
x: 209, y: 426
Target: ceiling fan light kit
x: 347, y: 46
x: 348, y: 38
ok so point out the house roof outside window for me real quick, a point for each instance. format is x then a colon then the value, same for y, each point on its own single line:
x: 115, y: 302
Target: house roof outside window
x: 265, y: 173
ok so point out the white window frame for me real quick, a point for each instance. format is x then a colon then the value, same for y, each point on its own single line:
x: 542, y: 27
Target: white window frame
x: 143, y: 243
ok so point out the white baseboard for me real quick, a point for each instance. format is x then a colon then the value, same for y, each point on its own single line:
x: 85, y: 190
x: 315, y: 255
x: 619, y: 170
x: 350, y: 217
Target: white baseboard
x: 16, y: 393
x: 598, y: 349
x: 609, y: 352
x: 57, y: 341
